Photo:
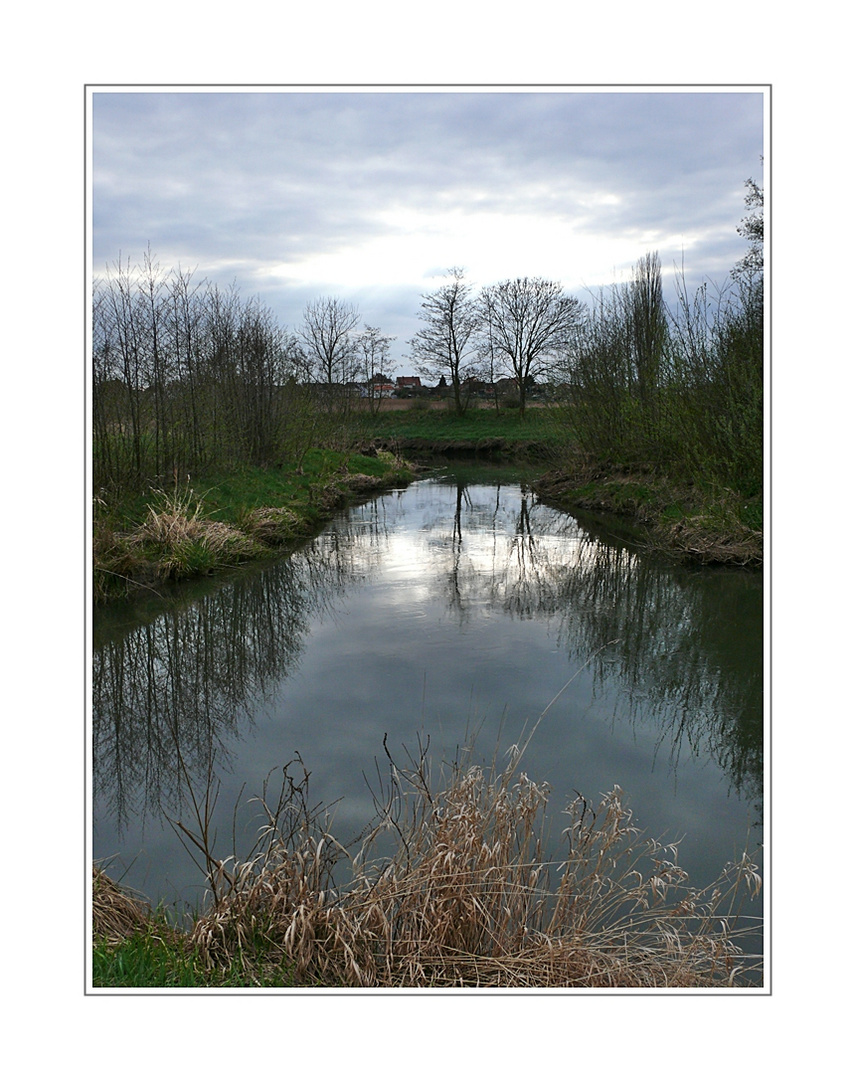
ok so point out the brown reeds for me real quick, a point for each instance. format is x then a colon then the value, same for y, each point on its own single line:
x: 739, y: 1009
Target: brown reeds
x: 176, y: 526
x: 732, y: 544
x: 466, y: 898
x: 117, y: 912
x: 271, y: 525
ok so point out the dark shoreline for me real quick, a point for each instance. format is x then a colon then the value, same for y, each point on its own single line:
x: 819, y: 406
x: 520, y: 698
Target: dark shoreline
x: 676, y: 521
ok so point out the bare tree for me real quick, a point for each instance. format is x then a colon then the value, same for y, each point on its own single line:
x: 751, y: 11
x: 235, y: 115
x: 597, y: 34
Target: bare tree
x: 528, y: 323
x: 446, y: 344
x: 120, y: 348
x: 187, y: 375
x: 328, y: 325
x: 374, y: 361
x: 152, y: 288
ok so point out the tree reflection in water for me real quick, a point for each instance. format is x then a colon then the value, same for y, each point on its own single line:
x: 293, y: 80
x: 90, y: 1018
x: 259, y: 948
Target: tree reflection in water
x: 176, y: 689
x: 184, y: 684
x: 688, y: 652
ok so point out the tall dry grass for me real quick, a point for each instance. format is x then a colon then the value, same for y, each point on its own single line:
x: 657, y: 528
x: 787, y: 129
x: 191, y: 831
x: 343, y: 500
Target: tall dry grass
x: 185, y: 539
x: 452, y: 888
x: 117, y: 913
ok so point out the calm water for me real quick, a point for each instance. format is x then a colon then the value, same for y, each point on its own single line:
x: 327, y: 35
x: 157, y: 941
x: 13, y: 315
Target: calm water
x: 458, y: 607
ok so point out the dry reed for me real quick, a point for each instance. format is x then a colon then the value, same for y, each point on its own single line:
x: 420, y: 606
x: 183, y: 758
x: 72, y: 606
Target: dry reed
x: 734, y: 545
x: 175, y: 526
x: 117, y: 912
x: 466, y: 898
x: 271, y: 525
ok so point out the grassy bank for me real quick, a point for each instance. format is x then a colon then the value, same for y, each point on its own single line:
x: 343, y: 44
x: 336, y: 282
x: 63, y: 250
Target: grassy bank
x: 221, y: 520
x: 706, y: 523
x: 701, y: 521
x: 441, y: 430
x: 465, y: 899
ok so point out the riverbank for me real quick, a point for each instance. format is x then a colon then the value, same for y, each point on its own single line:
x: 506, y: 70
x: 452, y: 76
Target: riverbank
x: 709, y: 526
x: 481, y: 431
x: 221, y: 521
x: 464, y: 900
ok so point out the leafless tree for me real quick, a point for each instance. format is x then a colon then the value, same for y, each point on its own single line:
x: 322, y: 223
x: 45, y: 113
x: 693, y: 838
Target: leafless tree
x: 374, y: 361
x: 187, y: 375
x: 327, y: 333
x: 446, y: 344
x: 528, y: 322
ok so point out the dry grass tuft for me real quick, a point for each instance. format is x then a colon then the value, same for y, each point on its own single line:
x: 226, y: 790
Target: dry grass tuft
x: 186, y: 541
x: 271, y: 524
x: 734, y: 544
x: 117, y: 913
x: 467, y: 899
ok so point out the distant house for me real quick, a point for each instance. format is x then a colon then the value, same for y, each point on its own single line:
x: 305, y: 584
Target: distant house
x: 408, y: 382
x: 382, y: 389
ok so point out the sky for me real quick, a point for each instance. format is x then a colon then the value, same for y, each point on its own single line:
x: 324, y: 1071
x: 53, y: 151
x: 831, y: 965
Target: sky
x: 371, y: 196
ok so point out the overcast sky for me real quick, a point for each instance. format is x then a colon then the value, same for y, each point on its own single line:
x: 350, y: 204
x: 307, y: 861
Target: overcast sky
x: 371, y: 196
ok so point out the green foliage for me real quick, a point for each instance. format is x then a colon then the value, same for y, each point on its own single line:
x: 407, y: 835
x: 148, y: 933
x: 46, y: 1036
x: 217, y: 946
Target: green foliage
x: 688, y: 401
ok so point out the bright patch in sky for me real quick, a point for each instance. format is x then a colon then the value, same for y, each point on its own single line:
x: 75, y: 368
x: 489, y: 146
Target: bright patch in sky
x: 409, y: 247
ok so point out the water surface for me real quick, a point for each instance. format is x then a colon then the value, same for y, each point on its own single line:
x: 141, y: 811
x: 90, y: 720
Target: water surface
x: 454, y: 609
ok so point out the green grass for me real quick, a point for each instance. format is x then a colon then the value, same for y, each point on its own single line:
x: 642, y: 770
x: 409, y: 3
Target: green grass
x: 219, y: 520
x: 144, y: 960
x: 147, y: 959
x: 226, y: 495
x: 537, y: 424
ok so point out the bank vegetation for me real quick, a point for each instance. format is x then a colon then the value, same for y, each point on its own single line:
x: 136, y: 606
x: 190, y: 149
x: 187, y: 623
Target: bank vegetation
x: 664, y: 407
x: 149, y: 541
x: 450, y: 887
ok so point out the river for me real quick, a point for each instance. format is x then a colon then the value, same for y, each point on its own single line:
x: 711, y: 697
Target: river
x: 457, y: 609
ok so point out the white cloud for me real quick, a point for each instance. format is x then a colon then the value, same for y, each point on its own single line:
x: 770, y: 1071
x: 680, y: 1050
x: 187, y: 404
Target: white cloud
x: 366, y: 194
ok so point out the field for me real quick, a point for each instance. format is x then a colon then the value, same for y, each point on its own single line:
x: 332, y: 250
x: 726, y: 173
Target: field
x: 435, y: 421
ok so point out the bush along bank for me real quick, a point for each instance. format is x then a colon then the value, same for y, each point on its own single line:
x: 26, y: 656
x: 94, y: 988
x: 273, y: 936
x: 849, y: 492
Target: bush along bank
x: 192, y: 529
x: 705, y: 524
x: 680, y: 389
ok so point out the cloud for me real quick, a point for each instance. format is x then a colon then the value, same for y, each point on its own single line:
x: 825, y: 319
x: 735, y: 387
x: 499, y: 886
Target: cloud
x: 365, y: 195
